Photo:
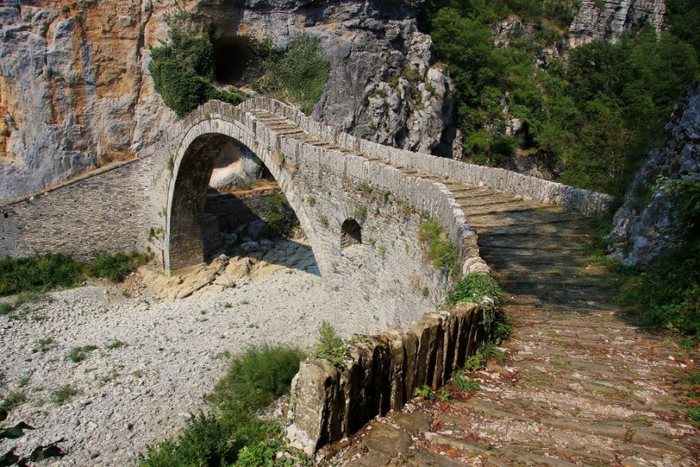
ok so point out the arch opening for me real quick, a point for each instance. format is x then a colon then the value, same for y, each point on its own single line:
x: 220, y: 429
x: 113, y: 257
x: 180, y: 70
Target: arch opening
x: 248, y: 215
x: 351, y: 234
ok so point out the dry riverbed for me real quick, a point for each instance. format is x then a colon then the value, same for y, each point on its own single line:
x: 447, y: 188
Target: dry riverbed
x: 153, y: 360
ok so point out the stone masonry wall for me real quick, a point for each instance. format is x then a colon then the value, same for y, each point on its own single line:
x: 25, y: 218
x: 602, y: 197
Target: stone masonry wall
x: 380, y: 374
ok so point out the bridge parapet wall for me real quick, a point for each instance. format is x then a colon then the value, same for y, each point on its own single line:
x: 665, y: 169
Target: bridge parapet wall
x: 506, y: 181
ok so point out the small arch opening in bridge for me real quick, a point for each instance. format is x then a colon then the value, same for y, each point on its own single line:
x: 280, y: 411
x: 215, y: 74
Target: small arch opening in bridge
x: 351, y: 234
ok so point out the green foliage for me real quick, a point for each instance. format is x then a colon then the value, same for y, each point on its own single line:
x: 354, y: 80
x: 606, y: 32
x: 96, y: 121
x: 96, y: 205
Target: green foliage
x: 297, y: 75
x: 667, y: 295
x: 78, y: 354
x: 63, y: 394
x: 256, y: 378
x: 425, y: 392
x: 183, y: 71
x: 6, y: 308
x: 464, y: 383
x: 568, y: 108
x: 475, y: 288
x: 440, y: 249
x: 234, y: 435
x: 9, y: 400
x: 331, y: 346
x: 277, y: 208
x: 115, y: 267
x: 44, y: 273
x: 38, y: 273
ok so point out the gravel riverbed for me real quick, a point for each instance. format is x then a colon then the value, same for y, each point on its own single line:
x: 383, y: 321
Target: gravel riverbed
x: 154, y: 361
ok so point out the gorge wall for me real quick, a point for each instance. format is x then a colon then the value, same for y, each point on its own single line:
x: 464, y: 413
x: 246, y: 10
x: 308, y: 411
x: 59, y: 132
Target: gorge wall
x: 76, y: 94
x: 645, y: 226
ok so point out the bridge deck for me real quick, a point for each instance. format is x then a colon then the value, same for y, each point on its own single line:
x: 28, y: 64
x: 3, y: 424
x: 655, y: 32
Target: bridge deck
x: 534, y: 249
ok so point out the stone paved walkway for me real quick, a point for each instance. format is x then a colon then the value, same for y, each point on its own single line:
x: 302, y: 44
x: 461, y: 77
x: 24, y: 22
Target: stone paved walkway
x: 579, y: 386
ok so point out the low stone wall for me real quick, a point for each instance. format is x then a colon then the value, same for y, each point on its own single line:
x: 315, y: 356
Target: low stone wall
x: 381, y: 374
x: 506, y: 181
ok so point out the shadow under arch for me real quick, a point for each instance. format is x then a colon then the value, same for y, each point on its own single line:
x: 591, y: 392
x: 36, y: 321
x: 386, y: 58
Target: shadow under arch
x: 191, y: 173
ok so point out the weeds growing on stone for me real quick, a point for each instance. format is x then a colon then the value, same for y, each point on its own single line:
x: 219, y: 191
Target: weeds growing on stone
x: 330, y: 345
x: 464, y: 383
x: 6, y: 309
x: 116, y: 345
x: 475, y: 288
x: 425, y: 392
x: 78, y: 354
x: 45, y: 344
x: 439, y: 249
x: 63, y: 394
x: 9, y: 401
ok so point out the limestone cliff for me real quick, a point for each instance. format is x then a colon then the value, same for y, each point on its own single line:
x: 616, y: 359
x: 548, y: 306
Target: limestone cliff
x: 75, y: 92
x: 614, y: 18
x: 644, y: 226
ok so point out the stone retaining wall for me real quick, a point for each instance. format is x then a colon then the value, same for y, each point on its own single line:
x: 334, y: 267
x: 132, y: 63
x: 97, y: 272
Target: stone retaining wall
x: 381, y: 374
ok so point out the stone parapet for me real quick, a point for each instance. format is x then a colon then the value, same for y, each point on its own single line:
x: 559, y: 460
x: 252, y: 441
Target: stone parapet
x: 380, y: 373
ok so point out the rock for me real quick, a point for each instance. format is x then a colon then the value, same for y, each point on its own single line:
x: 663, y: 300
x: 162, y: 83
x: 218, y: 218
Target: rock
x: 257, y: 229
x: 250, y: 246
x: 644, y: 226
x: 617, y: 17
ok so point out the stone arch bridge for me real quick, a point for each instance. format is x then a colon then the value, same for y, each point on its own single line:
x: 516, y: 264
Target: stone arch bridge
x: 331, y: 180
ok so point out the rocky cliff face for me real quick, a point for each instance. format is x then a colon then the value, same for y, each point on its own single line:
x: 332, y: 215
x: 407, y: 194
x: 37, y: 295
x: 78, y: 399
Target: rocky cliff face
x: 75, y: 92
x: 644, y: 226
x: 616, y: 17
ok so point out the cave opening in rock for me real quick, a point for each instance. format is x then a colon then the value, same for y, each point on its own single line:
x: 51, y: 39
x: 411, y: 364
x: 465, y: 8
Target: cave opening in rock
x: 235, y: 60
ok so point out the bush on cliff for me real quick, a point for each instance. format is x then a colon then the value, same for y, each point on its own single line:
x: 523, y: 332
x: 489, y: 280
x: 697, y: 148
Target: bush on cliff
x: 297, y: 75
x: 568, y: 107
x: 183, y: 72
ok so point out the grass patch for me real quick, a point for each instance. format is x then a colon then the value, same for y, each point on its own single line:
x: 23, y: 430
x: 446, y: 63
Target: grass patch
x: 330, y: 345
x: 424, y: 392
x: 63, y: 394
x: 6, y: 309
x: 233, y: 435
x: 78, y: 354
x: 10, y: 400
x: 116, y: 345
x: 40, y: 274
x: 439, y: 249
x: 45, y: 344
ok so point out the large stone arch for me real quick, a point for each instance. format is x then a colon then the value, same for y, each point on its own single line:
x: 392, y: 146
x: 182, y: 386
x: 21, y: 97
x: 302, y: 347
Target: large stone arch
x: 191, y: 170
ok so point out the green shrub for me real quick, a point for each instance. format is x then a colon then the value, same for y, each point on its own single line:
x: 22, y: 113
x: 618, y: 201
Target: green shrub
x: 63, y: 394
x: 233, y: 435
x: 425, y: 392
x: 183, y: 71
x: 78, y: 354
x: 277, y: 208
x: 464, y: 383
x: 475, y: 288
x: 297, y: 75
x: 331, y: 346
x: 256, y: 378
x: 33, y: 276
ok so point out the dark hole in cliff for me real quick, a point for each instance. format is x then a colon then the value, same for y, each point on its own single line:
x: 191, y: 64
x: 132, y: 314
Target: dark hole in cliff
x: 235, y: 60
x: 351, y: 233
